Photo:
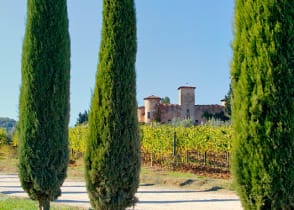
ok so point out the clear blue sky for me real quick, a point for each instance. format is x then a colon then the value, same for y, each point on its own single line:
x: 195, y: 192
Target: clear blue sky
x: 179, y: 43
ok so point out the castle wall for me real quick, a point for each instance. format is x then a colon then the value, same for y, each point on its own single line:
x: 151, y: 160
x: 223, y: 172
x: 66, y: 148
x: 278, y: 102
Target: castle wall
x: 201, y: 109
x: 170, y: 112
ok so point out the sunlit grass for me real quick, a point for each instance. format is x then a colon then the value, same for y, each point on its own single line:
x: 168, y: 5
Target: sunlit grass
x: 14, y: 203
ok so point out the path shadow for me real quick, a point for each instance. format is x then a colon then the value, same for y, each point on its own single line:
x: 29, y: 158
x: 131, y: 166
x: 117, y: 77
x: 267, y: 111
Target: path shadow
x: 71, y: 201
x: 189, y: 201
x: 11, y: 192
x: 168, y: 191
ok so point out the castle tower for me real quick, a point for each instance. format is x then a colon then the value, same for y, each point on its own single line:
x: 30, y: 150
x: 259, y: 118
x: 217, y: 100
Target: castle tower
x: 187, y: 101
x: 151, y: 104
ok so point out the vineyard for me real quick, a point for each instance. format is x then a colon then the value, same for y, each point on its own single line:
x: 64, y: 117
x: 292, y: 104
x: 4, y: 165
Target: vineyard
x: 199, y: 147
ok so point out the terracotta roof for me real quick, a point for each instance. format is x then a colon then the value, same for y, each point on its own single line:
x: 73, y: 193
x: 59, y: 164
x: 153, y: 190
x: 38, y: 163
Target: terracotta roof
x: 181, y: 87
x: 152, y: 97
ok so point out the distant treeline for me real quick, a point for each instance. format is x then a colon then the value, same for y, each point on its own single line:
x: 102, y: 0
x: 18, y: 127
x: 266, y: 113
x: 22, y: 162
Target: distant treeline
x: 8, y: 124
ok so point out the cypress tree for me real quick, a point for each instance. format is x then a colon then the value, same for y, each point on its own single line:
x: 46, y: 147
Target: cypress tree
x: 112, y: 159
x: 44, y: 101
x: 263, y: 104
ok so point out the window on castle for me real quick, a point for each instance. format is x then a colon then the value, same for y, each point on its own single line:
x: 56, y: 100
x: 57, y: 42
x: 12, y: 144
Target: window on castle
x: 148, y: 115
x: 188, y: 114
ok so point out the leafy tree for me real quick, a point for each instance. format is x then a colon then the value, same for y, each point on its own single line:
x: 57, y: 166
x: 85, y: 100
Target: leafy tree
x: 263, y: 104
x: 82, y: 119
x: 165, y: 100
x: 157, y: 113
x: 207, y: 115
x: 112, y: 158
x: 3, y: 136
x: 15, y: 138
x: 228, y: 97
x: 44, y: 101
x: 217, y: 116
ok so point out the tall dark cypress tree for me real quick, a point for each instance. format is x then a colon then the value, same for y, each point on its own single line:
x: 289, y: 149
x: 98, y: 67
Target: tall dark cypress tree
x: 112, y: 158
x: 263, y: 104
x: 44, y: 101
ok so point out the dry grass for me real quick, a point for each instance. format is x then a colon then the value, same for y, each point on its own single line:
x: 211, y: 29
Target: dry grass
x: 149, y: 176
x: 8, y: 159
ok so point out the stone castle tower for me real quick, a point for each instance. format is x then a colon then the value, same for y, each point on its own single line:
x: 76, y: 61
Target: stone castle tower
x: 151, y: 103
x: 185, y: 109
x: 187, y: 101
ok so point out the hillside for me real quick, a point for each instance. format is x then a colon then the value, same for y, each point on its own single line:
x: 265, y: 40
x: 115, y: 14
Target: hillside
x: 8, y: 124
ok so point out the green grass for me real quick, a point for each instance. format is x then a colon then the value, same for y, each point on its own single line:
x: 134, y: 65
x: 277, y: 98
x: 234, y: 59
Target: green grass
x: 14, y: 203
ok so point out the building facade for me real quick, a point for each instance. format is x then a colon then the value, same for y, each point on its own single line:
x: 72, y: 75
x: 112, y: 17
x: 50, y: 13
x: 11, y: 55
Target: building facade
x: 154, y: 110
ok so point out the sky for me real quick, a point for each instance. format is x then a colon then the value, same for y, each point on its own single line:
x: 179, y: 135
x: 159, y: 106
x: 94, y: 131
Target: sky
x: 179, y: 43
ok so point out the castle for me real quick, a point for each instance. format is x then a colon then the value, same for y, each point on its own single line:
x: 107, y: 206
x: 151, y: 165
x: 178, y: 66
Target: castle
x: 154, y: 110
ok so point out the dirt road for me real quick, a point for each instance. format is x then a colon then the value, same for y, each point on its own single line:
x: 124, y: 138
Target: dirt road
x: 150, y: 197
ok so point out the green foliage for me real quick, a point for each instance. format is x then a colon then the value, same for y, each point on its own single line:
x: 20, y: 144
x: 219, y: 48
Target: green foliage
x: 15, y: 138
x: 9, y: 125
x: 263, y: 104
x: 228, y: 109
x: 218, y: 116
x: 165, y: 100
x: 3, y: 136
x: 158, y: 140
x: 182, y: 123
x: 82, y: 119
x: 112, y: 158
x: 77, y: 140
x: 44, y: 101
x: 217, y: 122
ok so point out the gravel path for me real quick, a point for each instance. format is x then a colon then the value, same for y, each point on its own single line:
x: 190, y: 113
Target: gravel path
x: 150, y: 197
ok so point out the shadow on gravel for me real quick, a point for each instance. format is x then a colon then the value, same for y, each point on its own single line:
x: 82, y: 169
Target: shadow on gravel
x: 189, y: 201
x: 168, y: 191
x: 11, y: 192
x: 9, y: 186
x: 70, y: 201
x: 214, y: 188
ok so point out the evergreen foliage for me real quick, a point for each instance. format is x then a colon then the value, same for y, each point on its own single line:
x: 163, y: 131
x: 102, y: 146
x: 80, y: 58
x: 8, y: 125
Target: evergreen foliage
x: 82, y: 118
x: 44, y: 101
x: 263, y: 104
x: 165, y: 100
x: 112, y: 158
x: 227, y: 99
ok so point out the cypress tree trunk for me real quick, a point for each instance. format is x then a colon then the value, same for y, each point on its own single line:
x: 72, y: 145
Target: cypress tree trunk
x: 112, y: 158
x: 263, y: 104
x: 44, y: 100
